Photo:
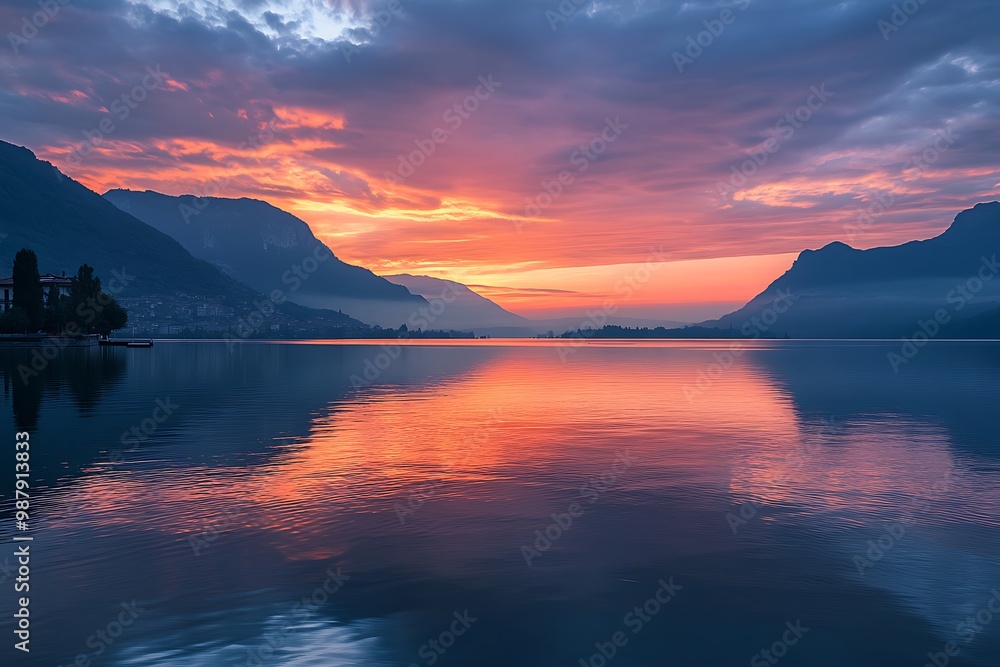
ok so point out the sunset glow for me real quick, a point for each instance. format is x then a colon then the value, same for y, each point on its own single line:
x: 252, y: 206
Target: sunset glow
x: 447, y: 333
x: 334, y: 117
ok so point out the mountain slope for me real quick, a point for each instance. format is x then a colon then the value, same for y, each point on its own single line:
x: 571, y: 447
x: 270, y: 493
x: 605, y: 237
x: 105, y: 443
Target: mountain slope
x: 842, y: 292
x: 462, y: 308
x: 260, y: 245
x: 68, y: 225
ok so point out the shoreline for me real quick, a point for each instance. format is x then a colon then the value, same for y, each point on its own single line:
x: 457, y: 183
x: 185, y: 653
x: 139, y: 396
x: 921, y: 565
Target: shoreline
x: 42, y: 340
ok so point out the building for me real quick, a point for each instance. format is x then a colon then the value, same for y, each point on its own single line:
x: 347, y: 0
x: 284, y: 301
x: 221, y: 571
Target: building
x: 47, y: 281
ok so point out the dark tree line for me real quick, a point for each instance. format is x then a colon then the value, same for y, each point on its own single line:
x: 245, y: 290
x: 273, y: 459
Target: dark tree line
x: 87, y: 309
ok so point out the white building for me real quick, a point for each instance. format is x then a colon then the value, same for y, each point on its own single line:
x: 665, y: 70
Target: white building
x: 47, y: 281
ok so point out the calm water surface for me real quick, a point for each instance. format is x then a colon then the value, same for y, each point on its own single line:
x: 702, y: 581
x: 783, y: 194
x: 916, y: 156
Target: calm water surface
x: 335, y: 504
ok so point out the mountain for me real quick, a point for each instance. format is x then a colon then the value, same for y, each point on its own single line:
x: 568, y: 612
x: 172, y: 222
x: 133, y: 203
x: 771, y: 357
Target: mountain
x: 841, y: 292
x: 67, y: 225
x: 462, y: 308
x: 455, y: 306
x: 267, y: 248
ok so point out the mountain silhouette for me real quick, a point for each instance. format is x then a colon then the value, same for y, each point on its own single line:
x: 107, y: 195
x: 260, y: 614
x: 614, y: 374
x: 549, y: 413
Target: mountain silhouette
x: 68, y: 225
x: 468, y: 309
x: 842, y: 292
x: 462, y: 308
x: 266, y: 248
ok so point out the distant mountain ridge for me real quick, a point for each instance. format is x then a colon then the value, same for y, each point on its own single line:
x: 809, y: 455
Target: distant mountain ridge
x: 469, y: 309
x: 68, y: 225
x: 461, y: 307
x: 839, y: 291
x: 256, y: 243
x: 842, y: 292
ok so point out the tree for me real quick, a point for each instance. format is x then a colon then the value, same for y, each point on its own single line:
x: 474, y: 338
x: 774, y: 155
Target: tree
x: 96, y: 310
x: 56, y: 315
x: 14, y: 321
x: 28, y: 293
x: 112, y: 317
x: 84, y: 288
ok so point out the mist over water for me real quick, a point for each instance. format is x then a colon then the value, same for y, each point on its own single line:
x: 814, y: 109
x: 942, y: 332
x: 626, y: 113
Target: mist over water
x: 500, y: 503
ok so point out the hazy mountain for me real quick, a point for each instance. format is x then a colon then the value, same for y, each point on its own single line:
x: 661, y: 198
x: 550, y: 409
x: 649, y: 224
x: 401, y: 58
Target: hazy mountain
x: 268, y: 249
x: 466, y: 309
x: 841, y: 292
x: 455, y: 306
x: 68, y: 225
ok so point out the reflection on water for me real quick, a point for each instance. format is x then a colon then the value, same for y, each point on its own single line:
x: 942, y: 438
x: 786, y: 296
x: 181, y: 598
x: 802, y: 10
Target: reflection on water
x: 28, y: 375
x: 221, y: 492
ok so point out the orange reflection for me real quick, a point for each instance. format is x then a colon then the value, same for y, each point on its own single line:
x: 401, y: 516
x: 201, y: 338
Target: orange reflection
x: 520, y: 415
x: 525, y: 426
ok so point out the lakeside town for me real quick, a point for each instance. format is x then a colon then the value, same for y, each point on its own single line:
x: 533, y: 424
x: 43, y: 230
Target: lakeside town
x: 35, y: 303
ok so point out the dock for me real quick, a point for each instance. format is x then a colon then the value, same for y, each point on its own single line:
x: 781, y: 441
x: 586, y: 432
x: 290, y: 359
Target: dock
x: 118, y: 342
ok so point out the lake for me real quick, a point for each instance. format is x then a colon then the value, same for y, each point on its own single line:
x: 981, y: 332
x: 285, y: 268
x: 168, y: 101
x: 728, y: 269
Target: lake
x: 509, y: 503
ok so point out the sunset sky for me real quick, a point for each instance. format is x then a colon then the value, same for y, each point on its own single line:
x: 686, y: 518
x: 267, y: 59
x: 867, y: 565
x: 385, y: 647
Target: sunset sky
x: 324, y: 108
